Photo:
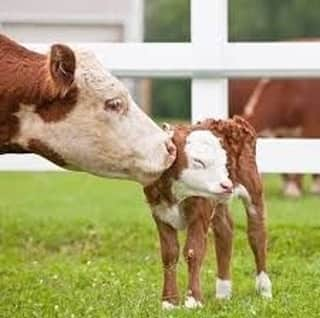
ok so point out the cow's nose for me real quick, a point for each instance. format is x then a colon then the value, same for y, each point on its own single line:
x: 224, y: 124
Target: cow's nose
x: 227, y: 186
x: 172, y: 151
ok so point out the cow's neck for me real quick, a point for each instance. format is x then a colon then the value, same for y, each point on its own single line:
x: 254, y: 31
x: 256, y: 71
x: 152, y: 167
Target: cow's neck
x: 20, y: 66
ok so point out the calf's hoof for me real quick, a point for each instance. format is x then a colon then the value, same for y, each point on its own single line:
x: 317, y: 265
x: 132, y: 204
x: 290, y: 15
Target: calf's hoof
x: 192, y: 303
x: 263, y: 285
x: 223, y: 289
x: 166, y: 305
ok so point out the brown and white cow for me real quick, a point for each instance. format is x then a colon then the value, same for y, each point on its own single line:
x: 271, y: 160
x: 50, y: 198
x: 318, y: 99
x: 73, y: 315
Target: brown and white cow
x: 215, y: 160
x: 66, y: 107
x: 280, y: 108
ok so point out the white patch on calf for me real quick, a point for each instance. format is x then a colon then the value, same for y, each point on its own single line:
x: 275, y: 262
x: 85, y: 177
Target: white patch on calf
x: 192, y: 303
x: 223, y: 289
x: 241, y: 192
x: 168, y: 306
x: 171, y: 215
x: 207, y: 167
x: 264, y: 285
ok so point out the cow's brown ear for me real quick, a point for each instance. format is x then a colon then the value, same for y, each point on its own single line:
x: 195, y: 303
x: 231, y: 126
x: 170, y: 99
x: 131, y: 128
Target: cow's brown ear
x: 62, y: 67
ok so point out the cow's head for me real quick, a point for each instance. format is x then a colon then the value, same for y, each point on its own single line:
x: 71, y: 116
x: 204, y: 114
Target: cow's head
x: 200, y: 168
x: 90, y: 122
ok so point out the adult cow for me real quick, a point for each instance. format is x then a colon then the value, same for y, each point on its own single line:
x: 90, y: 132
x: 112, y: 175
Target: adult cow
x: 280, y: 108
x: 67, y: 108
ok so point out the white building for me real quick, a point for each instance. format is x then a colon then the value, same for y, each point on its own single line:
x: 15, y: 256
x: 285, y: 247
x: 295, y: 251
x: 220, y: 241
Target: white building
x: 74, y: 21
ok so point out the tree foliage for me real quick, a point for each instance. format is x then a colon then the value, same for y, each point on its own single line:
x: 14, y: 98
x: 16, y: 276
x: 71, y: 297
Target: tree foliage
x: 261, y: 20
x: 168, y: 21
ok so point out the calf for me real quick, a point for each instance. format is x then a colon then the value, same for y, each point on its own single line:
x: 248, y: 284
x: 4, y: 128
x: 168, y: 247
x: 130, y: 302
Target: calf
x: 66, y: 107
x: 215, y: 160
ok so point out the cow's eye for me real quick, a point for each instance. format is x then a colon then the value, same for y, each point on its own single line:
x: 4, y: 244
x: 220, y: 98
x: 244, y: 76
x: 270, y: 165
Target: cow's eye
x: 113, y: 104
x: 199, y: 164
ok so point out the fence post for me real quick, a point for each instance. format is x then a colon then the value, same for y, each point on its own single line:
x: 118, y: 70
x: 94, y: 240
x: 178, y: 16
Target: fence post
x: 209, y: 34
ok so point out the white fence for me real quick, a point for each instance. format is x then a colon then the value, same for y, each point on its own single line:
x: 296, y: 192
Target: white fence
x: 209, y: 59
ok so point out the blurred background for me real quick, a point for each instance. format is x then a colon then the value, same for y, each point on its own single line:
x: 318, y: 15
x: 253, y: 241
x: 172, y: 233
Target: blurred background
x: 249, y: 20
x: 154, y: 21
x: 72, y: 245
x: 286, y: 104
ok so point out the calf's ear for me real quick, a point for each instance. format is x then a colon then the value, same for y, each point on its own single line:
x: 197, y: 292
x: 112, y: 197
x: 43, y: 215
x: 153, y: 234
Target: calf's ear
x: 168, y: 129
x: 62, y: 63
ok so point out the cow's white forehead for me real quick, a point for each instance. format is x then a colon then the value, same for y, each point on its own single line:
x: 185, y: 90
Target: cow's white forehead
x: 87, y: 60
x: 203, y: 144
x: 92, y: 74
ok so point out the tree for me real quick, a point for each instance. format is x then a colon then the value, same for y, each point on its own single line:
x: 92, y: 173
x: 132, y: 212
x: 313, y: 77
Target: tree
x: 168, y: 21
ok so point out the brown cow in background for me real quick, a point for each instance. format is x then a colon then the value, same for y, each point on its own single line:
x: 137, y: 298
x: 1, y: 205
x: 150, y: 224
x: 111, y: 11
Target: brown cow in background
x: 280, y: 108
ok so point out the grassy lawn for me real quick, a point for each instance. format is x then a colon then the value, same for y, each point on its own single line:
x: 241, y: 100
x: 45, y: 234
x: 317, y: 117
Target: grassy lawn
x: 78, y: 246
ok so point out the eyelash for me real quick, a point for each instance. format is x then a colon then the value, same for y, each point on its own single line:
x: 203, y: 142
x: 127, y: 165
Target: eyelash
x: 113, y: 104
x: 200, y: 162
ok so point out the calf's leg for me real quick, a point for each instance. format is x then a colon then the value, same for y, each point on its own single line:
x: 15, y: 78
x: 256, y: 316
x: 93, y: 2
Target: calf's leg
x: 198, y: 212
x: 252, y: 195
x: 222, y: 227
x: 170, y: 254
x: 258, y: 242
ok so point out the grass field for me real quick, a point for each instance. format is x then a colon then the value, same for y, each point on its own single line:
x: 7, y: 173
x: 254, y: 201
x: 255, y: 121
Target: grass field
x: 78, y: 246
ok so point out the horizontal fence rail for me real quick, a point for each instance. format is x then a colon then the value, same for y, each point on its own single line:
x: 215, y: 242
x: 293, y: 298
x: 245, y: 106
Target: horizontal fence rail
x: 273, y: 156
x: 269, y: 59
x: 209, y: 59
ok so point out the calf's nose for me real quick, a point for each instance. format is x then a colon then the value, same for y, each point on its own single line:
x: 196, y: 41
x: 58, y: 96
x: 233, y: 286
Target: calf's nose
x: 227, y: 186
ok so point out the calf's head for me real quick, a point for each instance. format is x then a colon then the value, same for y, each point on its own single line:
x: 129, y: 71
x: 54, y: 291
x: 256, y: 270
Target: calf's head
x: 200, y: 168
x: 90, y: 122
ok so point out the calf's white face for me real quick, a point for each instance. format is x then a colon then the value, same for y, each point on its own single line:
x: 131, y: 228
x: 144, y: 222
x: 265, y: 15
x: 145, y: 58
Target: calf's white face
x: 206, y: 173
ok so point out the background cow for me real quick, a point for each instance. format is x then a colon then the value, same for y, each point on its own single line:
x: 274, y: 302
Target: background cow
x: 67, y: 108
x: 280, y: 108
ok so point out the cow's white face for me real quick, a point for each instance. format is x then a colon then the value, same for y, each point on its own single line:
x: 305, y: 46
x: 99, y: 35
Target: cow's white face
x: 105, y: 133
x: 206, y: 171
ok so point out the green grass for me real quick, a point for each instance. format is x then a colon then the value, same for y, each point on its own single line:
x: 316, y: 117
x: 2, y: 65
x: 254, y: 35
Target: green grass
x: 78, y: 246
